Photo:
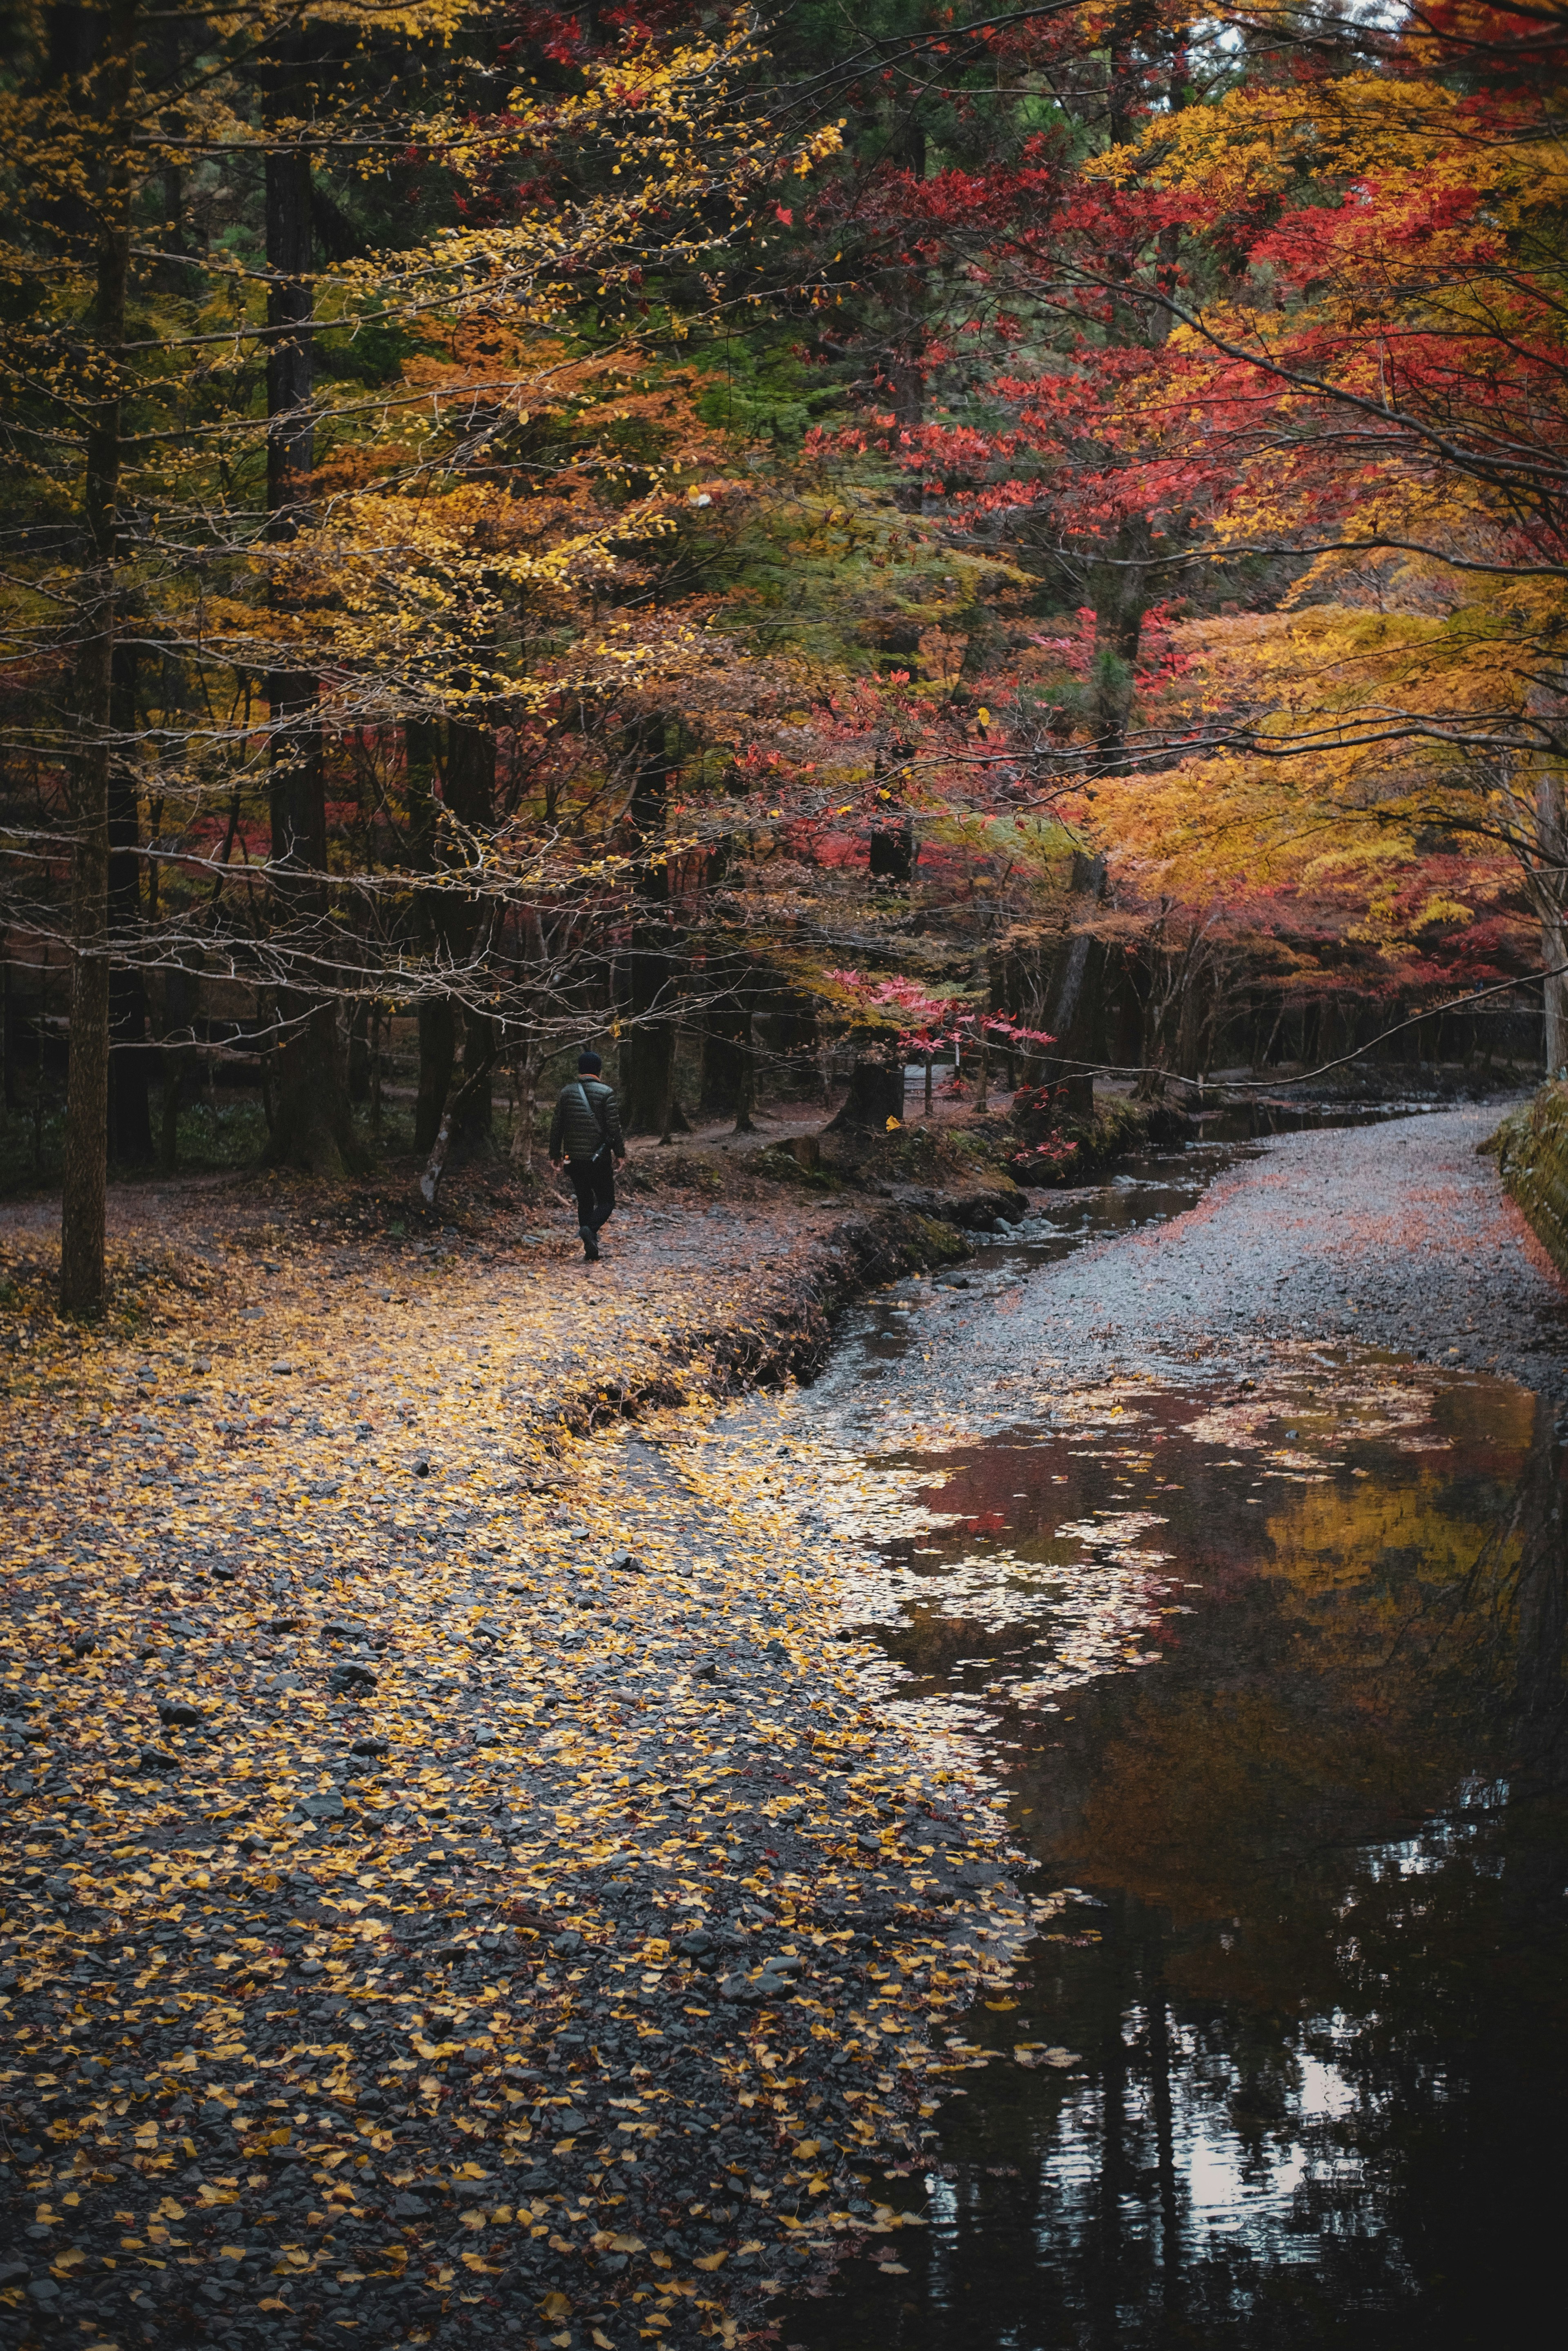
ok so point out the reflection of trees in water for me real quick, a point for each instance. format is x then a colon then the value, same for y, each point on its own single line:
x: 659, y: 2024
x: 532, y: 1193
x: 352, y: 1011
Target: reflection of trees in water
x: 1542, y: 1614
x: 1416, y: 1670
x: 1333, y: 1969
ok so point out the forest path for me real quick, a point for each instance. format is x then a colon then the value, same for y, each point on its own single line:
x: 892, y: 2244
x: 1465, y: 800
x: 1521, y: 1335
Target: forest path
x: 447, y: 1856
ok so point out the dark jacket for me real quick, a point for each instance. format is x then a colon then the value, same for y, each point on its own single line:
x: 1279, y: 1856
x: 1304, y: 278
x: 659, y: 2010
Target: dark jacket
x: 575, y: 1132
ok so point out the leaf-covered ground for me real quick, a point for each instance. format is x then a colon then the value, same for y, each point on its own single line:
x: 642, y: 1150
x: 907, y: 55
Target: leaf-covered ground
x: 454, y: 1874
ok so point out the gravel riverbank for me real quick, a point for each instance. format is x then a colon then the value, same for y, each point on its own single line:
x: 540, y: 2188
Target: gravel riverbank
x: 1395, y: 1237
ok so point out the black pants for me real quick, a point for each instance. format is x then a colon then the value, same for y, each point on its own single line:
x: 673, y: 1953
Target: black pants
x: 593, y: 1181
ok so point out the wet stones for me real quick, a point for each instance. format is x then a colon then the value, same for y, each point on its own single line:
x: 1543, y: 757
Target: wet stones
x: 351, y: 1679
x: 327, y: 1805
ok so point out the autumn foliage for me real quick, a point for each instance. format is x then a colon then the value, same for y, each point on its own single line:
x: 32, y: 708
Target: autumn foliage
x: 541, y: 519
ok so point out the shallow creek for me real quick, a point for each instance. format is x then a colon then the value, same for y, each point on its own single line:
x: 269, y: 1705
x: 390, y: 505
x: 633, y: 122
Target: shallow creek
x: 1270, y: 1673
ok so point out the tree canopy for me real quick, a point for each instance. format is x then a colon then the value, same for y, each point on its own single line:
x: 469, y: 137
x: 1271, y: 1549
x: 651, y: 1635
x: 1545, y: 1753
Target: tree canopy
x: 647, y: 520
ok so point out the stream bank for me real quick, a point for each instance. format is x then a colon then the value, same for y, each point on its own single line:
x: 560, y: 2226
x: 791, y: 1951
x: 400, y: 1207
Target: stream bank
x: 1221, y: 1530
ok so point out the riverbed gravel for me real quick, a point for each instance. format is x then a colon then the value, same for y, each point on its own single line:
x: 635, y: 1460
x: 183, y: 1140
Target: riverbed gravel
x: 1396, y: 1237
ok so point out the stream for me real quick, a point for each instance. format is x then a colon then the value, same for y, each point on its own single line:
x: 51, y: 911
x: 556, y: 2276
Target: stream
x: 1268, y: 1667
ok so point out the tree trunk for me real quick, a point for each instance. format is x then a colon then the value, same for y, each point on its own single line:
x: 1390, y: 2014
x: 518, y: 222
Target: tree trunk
x: 130, y: 1116
x: 474, y: 1135
x: 435, y: 1166
x: 359, y: 1042
x: 1088, y: 884
x: 1551, y: 842
x: 526, y: 1067
x: 467, y: 779
x: 178, y: 1060
x: 649, y: 1042
x: 376, y: 1072
x: 672, y: 1109
x: 437, y: 1053
x: 745, y: 1098
x: 1554, y: 988
x: 313, y: 1128
x: 721, y: 1064
x: 83, y: 1202
x: 875, y: 1096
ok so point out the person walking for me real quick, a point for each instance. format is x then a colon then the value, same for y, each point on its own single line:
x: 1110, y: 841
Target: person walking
x: 586, y: 1132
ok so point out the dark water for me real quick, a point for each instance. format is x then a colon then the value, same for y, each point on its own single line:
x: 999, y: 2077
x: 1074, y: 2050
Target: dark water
x: 1274, y: 1679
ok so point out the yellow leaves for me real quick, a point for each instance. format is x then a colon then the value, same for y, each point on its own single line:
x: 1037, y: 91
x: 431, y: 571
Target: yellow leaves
x: 710, y: 2261
x: 555, y: 2305
x: 1260, y: 137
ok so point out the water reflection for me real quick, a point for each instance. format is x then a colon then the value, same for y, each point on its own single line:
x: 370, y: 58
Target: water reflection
x: 1287, y: 2068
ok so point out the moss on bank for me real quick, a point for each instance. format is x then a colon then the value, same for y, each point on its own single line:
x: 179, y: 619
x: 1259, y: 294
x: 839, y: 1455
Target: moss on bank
x: 1532, y: 1149
x: 1077, y: 1148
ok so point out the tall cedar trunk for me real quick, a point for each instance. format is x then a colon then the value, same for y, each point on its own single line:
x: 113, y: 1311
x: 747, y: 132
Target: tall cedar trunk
x: 84, y: 1202
x: 1067, y: 1021
x: 131, y: 1056
x: 471, y: 797
x: 435, y: 1025
x: 746, y: 1100
x: 1551, y: 840
x: 650, y: 1040
x: 179, y: 1063
x: 526, y: 1067
x: 312, y: 1126
x: 437, y: 1055
x: 721, y: 1064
